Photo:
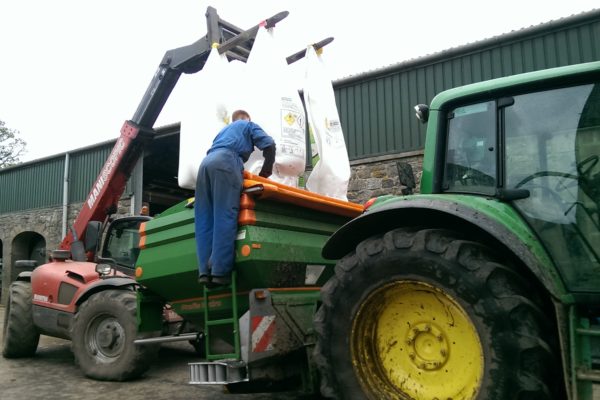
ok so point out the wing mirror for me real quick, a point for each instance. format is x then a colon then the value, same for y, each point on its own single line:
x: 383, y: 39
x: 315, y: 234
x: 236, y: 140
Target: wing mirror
x: 422, y: 112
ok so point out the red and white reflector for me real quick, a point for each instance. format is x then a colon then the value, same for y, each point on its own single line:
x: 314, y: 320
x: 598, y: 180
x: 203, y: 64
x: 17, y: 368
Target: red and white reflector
x: 263, y: 333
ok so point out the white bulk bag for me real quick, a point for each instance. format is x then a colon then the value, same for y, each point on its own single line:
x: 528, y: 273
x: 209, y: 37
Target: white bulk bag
x: 276, y: 106
x: 205, y: 114
x: 331, y: 174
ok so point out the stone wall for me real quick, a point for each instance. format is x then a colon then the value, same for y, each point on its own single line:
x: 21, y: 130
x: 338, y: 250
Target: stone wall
x: 44, y: 222
x: 378, y: 176
x: 370, y: 177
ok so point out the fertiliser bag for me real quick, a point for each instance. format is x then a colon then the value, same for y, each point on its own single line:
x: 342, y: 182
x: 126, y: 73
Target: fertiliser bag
x: 331, y: 172
x: 275, y: 105
x: 205, y: 113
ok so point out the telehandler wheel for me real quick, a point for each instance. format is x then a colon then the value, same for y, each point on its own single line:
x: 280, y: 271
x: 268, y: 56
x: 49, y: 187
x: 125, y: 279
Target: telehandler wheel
x: 422, y: 314
x: 102, y: 336
x: 21, y: 337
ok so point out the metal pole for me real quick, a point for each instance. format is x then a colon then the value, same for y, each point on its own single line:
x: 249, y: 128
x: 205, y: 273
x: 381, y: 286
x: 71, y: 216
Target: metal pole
x: 65, y: 202
x: 167, y: 339
x: 138, y: 186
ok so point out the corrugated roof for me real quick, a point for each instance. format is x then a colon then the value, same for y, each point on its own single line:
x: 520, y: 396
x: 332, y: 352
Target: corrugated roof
x: 161, y: 131
x: 472, y: 46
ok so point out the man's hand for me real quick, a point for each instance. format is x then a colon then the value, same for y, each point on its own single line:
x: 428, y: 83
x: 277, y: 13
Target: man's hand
x: 269, y: 155
x: 264, y: 174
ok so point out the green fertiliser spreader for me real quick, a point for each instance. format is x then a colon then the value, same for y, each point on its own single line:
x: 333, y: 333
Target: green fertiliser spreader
x: 485, y: 285
x: 266, y: 314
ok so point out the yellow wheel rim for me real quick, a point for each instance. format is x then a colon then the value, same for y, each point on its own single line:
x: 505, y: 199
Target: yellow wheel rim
x: 411, y: 340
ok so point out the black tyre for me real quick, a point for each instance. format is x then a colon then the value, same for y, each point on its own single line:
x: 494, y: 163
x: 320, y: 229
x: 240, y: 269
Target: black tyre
x: 422, y: 314
x: 103, y: 332
x: 21, y: 338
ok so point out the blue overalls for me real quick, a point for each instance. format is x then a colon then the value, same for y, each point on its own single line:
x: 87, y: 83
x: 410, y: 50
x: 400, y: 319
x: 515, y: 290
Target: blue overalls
x: 218, y: 191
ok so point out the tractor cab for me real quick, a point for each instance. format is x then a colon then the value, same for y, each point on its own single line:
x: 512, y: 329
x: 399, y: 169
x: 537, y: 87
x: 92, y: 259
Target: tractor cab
x: 121, y: 243
x: 542, y: 149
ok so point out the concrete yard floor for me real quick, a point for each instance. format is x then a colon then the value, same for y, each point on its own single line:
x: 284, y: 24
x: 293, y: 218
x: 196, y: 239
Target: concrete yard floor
x: 52, y: 374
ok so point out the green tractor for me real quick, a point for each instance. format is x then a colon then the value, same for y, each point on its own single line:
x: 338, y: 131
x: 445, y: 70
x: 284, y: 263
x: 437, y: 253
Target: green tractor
x: 486, y: 285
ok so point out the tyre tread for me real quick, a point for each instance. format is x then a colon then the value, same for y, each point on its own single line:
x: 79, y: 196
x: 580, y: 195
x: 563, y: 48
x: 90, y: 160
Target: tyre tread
x: 136, y: 362
x: 481, y: 271
x: 21, y: 337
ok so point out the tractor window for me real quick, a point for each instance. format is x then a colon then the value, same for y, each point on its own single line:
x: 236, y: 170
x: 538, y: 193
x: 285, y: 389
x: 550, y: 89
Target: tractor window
x: 552, y: 147
x: 471, y: 149
x: 122, y: 242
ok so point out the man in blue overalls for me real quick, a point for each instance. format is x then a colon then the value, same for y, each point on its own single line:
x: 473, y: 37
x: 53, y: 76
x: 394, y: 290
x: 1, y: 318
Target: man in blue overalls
x: 218, y: 191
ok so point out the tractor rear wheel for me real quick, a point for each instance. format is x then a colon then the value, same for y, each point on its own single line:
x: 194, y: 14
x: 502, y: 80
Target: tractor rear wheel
x: 422, y: 314
x: 21, y: 338
x: 103, y: 333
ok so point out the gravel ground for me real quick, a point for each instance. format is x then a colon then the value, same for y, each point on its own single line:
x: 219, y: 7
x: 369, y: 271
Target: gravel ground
x: 52, y: 374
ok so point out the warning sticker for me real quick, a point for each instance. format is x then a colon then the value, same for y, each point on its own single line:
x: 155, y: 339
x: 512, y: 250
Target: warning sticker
x: 292, y: 128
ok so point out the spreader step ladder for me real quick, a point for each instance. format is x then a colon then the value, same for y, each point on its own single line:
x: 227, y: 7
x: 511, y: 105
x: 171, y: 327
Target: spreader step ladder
x: 585, y: 362
x: 232, y: 322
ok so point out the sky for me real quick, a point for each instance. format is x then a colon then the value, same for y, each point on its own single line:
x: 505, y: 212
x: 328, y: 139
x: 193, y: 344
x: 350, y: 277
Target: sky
x: 72, y: 71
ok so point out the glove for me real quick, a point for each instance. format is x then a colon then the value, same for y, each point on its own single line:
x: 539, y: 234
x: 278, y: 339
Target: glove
x: 269, y: 155
x: 265, y: 174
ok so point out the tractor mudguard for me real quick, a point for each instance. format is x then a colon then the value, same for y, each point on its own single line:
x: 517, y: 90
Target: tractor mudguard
x: 106, y: 283
x: 483, y: 218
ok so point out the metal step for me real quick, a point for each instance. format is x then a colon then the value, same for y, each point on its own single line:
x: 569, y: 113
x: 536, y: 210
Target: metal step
x: 588, y: 375
x: 218, y: 372
x: 593, y: 333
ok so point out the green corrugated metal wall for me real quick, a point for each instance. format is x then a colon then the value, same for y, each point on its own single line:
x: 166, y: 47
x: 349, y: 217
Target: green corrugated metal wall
x: 376, y: 108
x: 84, y: 169
x: 32, y: 186
x: 40, y: 183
